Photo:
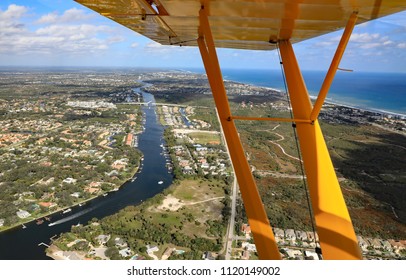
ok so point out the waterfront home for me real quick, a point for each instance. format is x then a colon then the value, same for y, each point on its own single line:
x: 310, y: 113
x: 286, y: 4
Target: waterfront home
x: 22, y: 214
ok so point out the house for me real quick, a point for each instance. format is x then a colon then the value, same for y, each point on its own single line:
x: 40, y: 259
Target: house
x: 1, y: 222
x: 386, y: 245
x: 245, y: 255
x: 112, y: 173
x: 75, y: 194
x: 47, y: 205
x: 311, y: 255
x: 246, y: 229
x: 290, y: 235
x: 310, y: 236
x: 126, y: 252
x: 119, y: 242
x: 376, y: 243
x: 362, y: 243
x: 209, y: 256
x: 168, y: 252
x: 102, y: 239
x: 22, y: 214
x: 152, y: 249
x: 69, y: 180
x: 73, y: 256
x: 301, y: 235
x: 294, y: 254
x: 249, y: 247
x: 187, y: 170
x: 279, y: 233
x: 398, y: 244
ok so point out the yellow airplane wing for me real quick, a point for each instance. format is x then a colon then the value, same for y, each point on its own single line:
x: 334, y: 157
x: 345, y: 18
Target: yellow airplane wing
x: 249, y: 24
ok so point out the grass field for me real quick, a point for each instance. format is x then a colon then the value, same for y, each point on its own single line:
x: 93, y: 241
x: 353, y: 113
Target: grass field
x: 205, y: 138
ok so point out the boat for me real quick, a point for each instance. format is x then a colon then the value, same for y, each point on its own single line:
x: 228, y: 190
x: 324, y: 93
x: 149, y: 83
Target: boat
x: 133, y: 179
x: 160, y: 182
x: 39, y: 221
x: 51, y: 224
x: 66, y: 211
x: 24, y: 227
x: 48, y: 218
x: 105, y: 194
x: 80, y: 204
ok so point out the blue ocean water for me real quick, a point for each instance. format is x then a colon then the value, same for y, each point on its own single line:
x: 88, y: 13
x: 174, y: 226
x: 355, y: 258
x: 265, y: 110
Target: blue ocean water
x: 375, y: 91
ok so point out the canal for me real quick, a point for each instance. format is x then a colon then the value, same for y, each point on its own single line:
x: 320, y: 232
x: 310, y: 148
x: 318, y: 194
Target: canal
x: 23, y: 244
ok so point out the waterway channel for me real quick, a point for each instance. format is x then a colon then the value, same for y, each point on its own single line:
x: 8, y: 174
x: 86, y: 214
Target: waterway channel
x: 23, y: 244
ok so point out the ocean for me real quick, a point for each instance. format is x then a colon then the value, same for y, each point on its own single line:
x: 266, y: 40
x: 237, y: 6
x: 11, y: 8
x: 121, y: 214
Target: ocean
x: 373, y: 91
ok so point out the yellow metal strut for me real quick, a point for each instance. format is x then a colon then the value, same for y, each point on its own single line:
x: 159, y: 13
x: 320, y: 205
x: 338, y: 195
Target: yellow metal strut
x: 334, y: 226
x: 257, y: 218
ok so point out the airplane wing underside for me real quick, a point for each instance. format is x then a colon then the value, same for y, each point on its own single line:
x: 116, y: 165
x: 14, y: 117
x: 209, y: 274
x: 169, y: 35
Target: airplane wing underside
x: 249, y: 24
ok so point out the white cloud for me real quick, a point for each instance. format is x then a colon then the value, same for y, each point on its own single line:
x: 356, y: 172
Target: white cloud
x: 60, y: 35
x: 70, y: 16
x: 156, y: 48
x: 134, y: 45
x: 401, y: 45
x: 364, y: 37
x: 13, y: 12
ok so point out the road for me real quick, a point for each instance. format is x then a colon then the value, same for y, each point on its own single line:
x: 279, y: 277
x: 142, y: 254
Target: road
x: 230, y: 228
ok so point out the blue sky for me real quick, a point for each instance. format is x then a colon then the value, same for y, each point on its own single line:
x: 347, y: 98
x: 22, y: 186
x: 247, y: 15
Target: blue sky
x: 64, y: 33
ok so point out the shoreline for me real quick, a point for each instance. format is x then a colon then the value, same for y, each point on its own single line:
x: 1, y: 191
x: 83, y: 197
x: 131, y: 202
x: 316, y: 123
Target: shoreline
x: 354, y: 107
x: 327, y: 101
x: 73, y: 205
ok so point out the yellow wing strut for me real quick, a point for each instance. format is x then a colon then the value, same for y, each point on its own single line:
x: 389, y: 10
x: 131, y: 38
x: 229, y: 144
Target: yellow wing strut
x: 257, y: 218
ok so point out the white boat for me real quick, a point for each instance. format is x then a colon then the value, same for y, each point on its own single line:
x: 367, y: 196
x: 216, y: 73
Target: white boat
x: 66, y: 211
x: 105, y: 194
x: 80, y: 204
x: 24, y: 227
x: 160, y: 182
x: 51, y: 224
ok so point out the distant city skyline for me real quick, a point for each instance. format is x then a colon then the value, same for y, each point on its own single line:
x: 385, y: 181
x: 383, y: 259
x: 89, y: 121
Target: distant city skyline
x: 64, y: 33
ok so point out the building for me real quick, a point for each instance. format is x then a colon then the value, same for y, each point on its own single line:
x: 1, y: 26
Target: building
x: 301, y: 235
x: 249, y: 247
x: 168, y: 252
x: 125, y: 253
x: 152, y: 249
x: 311, y: 255
x: 22, y: 214
x: 69, y: 181
x: 102, y: 239
x: 290, y: 235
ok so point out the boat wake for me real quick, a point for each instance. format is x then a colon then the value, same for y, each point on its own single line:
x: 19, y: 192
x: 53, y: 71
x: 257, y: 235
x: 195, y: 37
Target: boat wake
x: 69, y: 218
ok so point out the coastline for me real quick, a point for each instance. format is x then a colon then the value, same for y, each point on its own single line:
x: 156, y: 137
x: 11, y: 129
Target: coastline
x: 371, y: 110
